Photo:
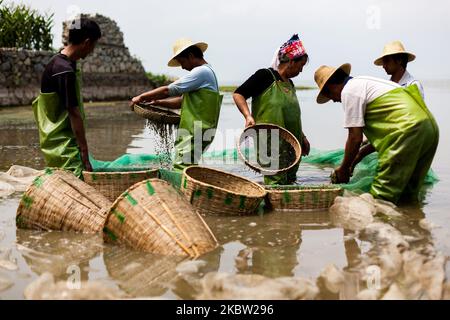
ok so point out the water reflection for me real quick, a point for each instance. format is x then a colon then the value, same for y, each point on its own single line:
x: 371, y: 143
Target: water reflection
x: 270, y: 244
x: 55, y: 252
x: 140, y: 274
x: 109, y: 131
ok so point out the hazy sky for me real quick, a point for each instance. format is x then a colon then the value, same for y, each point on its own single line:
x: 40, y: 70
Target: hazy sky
x: 243, y: 34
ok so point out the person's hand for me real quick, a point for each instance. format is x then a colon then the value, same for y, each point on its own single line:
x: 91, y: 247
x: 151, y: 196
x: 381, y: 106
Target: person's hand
x: 135, y: 100
x: 154, y: 103
x: 85, y: 160
x: 357, y: 160
x: 306, y: 147
x: 340, y: 175
x: 87, y: 166
x: 249, y: 121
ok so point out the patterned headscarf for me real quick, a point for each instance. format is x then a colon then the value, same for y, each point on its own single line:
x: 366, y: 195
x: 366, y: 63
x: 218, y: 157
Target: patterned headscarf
x: 291, y: 49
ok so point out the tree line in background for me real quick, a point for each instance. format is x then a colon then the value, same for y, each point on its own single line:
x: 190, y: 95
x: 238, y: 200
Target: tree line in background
x: 24, y: 27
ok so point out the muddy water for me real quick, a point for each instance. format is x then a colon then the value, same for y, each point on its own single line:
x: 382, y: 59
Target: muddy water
x: 299, y: 244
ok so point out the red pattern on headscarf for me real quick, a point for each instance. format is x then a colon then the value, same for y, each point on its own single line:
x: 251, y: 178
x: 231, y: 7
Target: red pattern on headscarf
x: 292, y: 49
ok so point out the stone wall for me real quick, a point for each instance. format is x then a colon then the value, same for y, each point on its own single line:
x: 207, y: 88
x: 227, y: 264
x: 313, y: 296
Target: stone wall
x: 109, y: 73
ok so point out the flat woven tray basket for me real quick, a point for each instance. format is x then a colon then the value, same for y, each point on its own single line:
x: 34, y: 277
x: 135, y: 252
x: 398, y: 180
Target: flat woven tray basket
x: 217, y: 192
x: 113, y: 184
x: 286, y: 160
x: 302, y: 197
x: 156, y: 114
x: 152, y: 216
x: 58, y: 200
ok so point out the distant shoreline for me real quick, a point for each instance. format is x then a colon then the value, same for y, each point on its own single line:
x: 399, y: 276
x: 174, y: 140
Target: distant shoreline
x: 233, y: 88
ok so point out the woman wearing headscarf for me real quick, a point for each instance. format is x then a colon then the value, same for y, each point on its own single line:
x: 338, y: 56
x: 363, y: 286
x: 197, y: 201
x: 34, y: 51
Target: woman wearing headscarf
x: 274, y: 99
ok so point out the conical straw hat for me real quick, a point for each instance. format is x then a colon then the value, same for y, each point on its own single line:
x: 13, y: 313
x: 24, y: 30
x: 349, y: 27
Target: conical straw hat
x: 394, y: 47
x: 323, y: 74
x: 182, y: 44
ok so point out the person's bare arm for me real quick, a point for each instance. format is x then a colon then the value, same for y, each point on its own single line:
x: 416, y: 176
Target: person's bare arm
x: 354, y: 139
x: 242, y: 105
x: 306, y: 147
x: 172, y: 103
x: 76, y: 122
x: 364, y: 151
x: 155, y: 94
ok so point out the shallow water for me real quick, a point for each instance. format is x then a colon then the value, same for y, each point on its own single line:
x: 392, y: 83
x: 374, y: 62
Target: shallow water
x: 278, y: 244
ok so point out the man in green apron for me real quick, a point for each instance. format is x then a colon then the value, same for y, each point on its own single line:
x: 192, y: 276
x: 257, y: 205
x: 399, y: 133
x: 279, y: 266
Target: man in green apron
x: 274, y: 99
x: 396, y: 122
x: 394, y: 61
x: 58, y: 110
x: 197, y: 94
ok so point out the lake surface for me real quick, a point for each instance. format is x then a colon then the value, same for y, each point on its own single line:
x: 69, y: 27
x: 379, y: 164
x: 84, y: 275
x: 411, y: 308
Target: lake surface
x: 273, y: 244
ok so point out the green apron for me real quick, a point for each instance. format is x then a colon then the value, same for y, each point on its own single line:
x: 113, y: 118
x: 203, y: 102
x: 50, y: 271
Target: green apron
x: 199, y: 112
x: 56, y: 138
x: 405, y: 135
x: 279, y: 105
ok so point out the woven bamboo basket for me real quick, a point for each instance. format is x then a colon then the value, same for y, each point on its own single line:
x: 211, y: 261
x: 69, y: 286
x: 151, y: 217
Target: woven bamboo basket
x: 58, y: 200
x: 152, y: 216
x: 113, y: 184
x: 140, y: 274
x: 217, y: 192
x: 302, y: 197
x: 156, y: 114
x: 284, y: 136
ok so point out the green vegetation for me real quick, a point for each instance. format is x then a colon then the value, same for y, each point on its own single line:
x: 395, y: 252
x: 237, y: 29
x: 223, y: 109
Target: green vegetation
x: 232, y: 88
x: 23, y: 27
x: 305, y: 88
x: 159, y: 79
x: 227, y: 88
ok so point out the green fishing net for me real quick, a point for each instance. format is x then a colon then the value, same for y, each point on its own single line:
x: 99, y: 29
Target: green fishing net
x: 127, y: 162
x: 364, y: 172
x: 361, y: 180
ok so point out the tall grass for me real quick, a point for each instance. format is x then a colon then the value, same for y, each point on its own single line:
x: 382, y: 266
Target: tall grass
x: 24, y: 27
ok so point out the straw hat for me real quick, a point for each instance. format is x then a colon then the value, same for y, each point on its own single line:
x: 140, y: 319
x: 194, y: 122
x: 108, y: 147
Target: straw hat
x: 182, y: 44
x: 323, y: 74
x: 391, y: 48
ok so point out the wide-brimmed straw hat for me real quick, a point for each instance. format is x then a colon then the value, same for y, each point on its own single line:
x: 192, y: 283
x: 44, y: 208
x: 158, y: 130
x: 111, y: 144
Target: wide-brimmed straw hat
x: 394, y: 47
x: 182, y: 44
x: 323, y: 74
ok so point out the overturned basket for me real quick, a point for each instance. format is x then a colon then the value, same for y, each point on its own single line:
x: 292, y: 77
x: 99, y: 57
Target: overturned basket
x: 152, y: 216
x: 156, y: 114
x: 217, y: 192
x: 113, y: 184
x: 302, y: 197
x: 58, y: 200
x: 290, y: 151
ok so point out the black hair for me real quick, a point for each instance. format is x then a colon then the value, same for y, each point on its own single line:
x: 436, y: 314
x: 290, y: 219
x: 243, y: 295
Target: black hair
x: 305, y: 56
x: 338, y: 77
x: 196, y: 52
x: 402, y: 58
x: 83, y: 28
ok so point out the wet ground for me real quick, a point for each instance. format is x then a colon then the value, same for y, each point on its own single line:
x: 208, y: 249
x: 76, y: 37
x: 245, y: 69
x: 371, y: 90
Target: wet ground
x: 294, y: 244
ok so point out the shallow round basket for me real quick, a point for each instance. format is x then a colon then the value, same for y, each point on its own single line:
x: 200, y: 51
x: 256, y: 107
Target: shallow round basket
x: 156, y: 114
x: 302, y: 197
x: 58, y: 200
x: 113, y: 184
x: 217, y: 192
x: 284, y: 134
x: 152, y: 216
